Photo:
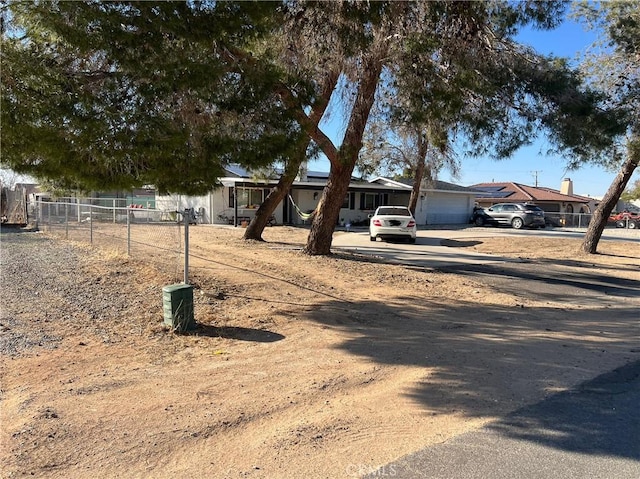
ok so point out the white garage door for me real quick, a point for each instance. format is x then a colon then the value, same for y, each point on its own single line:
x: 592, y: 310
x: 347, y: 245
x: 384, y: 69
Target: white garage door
x: 448, y: 209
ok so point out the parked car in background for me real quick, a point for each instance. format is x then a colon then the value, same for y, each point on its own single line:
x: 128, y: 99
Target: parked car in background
x: 516, y: 215
x: 392, y: 222
x: 626, y: 219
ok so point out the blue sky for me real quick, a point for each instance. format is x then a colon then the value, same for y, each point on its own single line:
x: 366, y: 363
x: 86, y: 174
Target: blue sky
x: 568, y: 40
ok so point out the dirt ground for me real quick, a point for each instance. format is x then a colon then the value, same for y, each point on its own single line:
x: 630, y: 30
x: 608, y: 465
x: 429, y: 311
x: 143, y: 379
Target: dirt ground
x: 316, y: 367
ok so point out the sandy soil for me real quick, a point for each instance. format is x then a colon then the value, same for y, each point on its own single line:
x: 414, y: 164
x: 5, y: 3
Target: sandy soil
x: 318, y: 367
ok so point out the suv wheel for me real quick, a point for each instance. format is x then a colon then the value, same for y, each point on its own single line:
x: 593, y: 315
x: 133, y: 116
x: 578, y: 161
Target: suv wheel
x: 517, y: 223
x: 633, y: 225
x: 479, y: 221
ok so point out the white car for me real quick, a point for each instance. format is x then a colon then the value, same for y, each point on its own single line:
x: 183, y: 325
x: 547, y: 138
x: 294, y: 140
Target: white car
x: 390, y: 222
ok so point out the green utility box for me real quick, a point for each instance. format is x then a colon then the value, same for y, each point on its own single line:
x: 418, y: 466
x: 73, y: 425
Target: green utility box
x: 177, y: 302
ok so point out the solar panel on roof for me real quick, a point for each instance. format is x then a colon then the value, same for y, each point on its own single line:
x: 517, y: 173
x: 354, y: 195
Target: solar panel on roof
x: 494, y: 193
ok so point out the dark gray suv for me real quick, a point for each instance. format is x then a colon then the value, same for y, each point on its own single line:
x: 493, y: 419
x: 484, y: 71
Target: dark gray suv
x: 516, y: 215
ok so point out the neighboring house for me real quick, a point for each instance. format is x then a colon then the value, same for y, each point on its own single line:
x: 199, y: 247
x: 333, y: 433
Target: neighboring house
x: 633, y: 206
x: 562, y: 207
x: 550, y: 200
x: 142, y: 197
x: 242, y: 193
x: 14, y: 202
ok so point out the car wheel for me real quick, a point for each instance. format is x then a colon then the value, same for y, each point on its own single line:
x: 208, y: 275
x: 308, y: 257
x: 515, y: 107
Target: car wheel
x: 412, y: 241
x: 517, y: 223
x: 632, y: 225
x: 372, y: 238
x: 479, y: 221
x: 621, y: 224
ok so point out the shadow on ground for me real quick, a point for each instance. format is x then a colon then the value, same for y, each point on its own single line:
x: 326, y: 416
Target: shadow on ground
x: 487, y: 361
x: 239, y: 333
x: 600, y: 416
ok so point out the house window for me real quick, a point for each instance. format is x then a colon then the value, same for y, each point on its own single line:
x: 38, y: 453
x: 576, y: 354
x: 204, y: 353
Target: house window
x: 249, y: 197
x: 368, y: 201
x: 349, y: 201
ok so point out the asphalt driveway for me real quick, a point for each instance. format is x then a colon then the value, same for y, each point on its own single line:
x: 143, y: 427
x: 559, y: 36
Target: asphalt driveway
x: 451, y: 250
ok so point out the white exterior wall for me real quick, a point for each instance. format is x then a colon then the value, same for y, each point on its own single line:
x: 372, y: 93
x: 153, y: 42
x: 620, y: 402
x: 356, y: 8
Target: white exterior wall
x: 171, y: 203
x: 219, y: 200
x: 303, y: 200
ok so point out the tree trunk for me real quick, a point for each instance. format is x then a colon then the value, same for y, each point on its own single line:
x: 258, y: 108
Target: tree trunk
x: 342, y: 165
x: 328, y: 211
x: 276, y: 195
x: 603, y: 211
x: 423, y: 146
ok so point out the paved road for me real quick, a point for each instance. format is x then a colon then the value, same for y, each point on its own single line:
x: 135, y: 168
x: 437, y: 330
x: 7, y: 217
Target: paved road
x: 592, y: 431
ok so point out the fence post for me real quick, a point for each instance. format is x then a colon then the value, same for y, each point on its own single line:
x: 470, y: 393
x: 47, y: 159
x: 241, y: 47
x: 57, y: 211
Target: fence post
x: 91, y: 224
x: 49, y: 216
x: 114, y: 211
x: 66, y: 220
x: 128, y: 231
x: 186, y: 216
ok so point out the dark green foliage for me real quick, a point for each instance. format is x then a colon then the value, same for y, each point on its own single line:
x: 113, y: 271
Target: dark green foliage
x: 120, y: 94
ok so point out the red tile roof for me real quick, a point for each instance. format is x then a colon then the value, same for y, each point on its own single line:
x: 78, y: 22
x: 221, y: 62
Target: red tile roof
x: 518, y: 193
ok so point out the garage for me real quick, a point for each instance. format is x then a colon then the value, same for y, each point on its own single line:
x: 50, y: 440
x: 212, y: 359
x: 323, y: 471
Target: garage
x: 440, y: 203
x: 444, y: 208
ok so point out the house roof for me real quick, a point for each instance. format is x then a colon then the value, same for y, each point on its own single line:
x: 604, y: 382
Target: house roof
x: 238, y: 174
x: 236, y: 170
x: 436, y: 185
x: 516, y: 192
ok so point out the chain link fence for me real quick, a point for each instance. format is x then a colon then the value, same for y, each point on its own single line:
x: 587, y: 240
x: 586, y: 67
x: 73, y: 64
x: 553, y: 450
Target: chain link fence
x: 147, y: 234
x: 567, y: 220
x: 581, y: 221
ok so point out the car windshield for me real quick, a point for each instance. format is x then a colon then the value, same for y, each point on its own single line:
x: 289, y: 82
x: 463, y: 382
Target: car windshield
x: 393, y: 212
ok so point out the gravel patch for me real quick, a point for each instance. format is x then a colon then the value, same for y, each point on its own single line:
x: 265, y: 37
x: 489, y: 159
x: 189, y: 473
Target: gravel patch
x: 44, y: 280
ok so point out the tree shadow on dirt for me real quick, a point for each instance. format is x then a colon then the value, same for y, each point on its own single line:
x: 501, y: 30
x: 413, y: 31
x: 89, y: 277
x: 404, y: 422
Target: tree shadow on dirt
x: 451, y: 243
x: 486, y: 361
x: 239, y: 333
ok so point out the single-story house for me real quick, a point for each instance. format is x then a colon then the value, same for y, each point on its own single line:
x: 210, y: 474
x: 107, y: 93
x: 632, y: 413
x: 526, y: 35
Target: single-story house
x: 242, y: 193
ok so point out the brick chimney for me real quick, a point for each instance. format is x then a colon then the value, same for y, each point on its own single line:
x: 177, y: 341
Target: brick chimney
x: 566, y: 188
